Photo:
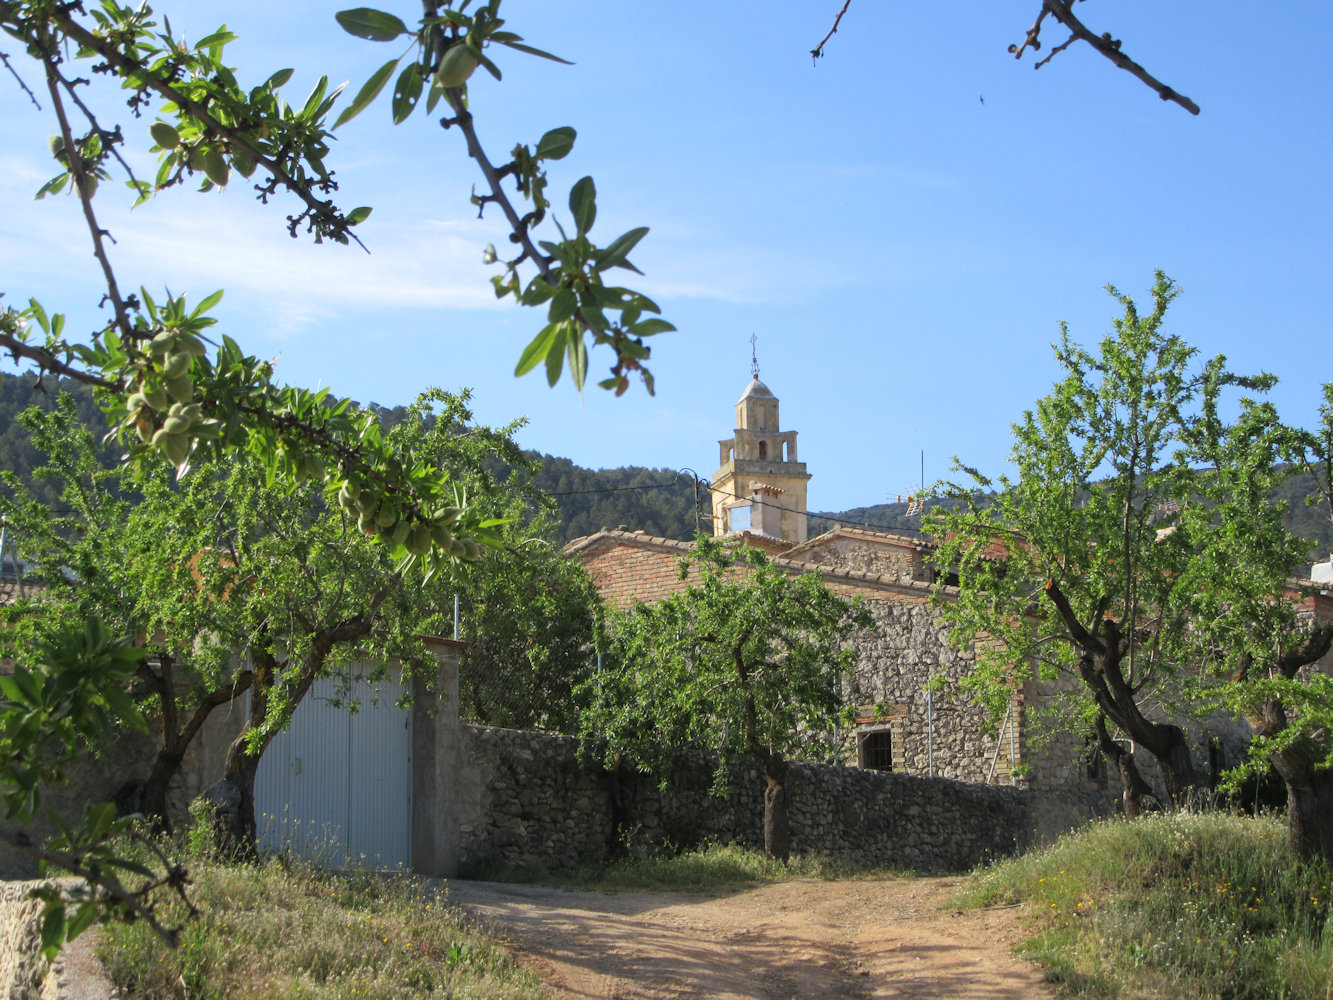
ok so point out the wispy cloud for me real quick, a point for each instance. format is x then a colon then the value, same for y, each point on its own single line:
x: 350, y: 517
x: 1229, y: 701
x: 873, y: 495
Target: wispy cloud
x: 202, y: 243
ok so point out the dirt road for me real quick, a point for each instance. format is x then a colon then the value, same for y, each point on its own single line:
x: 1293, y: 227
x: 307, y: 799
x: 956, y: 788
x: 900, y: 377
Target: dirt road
x: 863, y: 939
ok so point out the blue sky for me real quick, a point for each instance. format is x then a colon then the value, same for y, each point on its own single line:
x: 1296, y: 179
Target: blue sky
x: 903, y: 251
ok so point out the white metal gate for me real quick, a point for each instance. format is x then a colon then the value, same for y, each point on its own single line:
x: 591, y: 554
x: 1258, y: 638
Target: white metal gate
x: 336, y: 786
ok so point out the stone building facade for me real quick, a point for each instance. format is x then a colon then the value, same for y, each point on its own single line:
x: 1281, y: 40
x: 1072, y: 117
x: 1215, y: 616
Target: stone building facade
x: 903, y: 725
x: 913, y: 719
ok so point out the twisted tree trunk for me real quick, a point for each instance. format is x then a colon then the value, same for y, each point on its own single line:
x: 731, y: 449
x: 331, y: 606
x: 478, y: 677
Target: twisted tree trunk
x: 1137, y: 794
x: 1099, y: 666
x: 777, y: 832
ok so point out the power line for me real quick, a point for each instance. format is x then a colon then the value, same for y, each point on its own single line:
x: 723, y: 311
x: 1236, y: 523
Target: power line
x: 614, y: 489
x: 807, y: 513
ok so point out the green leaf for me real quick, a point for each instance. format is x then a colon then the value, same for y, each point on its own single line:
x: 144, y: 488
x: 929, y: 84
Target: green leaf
x: 556, y: 144
x: 555, y: 357
x: 316, y: 95
x: 583, y: 203
x: 207, y: 304
x: 368, y: 92
x: 53, y: 929
x: 98, y: 819
x: 578, y: 358
x: 376, y: 25
x: 128, y: 865
x: 82, y: 920
x: 532, y: 354
x: 537, y: 292
x: 243, y: 163
x: 489, y: 66
x: 39, y: 314
x: 53, y: 186
x: 358, y: 215
x: 534, y: 52
x: 220, y: 37
x: 648, y: 327
x: 406, y: 93
x: 563, y: 306
x: 11, y: 690
x: 615, y: 254
x: 278, y: 79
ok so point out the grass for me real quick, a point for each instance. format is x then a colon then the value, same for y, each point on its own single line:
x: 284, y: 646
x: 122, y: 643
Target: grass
x: 275, y: 929
x: 713, y: 866
x: 1211, y: 906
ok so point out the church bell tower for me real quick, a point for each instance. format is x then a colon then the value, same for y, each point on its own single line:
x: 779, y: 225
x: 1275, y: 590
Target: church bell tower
x: 760, y: 486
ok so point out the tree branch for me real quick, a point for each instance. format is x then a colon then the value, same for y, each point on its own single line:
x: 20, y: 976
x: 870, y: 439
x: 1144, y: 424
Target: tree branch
x: 1080, y: 634
x: 4, y: 58
x: 1062, y: 11
x: 818, y: 50
x: 86, y: 186
x: 323, y: 212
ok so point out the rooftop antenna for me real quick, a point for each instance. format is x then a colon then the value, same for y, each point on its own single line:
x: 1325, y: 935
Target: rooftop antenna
x: 916, y: 495
x: 754, y: 356
x: 917, y: 504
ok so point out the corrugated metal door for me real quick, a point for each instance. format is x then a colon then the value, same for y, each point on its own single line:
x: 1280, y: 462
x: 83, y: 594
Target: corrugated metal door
x: 336, y: 786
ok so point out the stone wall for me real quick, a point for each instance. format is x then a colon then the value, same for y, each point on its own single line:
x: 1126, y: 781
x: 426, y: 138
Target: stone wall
x: 907, y: 647
x: 94, y: 777
x: 540, y: 807
x: 23, y: 974
x: 875, y: 553
x: 101, y: 775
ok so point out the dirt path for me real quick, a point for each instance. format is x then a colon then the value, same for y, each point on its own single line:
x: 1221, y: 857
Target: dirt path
x: 874, y: 938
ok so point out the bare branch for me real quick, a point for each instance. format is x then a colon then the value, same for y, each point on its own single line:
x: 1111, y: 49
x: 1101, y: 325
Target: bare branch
x: 1062, y: 11
x: 818, y: 50
x: 48, y: 362
x: 4, y: 58
x: 86, y: 185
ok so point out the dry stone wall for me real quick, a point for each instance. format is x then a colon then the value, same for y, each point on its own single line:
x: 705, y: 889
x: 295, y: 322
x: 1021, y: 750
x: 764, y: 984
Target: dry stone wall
x: 543, y: 808
x: 907, y: 647
x: 23, y: 974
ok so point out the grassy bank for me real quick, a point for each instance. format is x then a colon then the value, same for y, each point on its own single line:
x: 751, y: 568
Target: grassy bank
x: 713, y: 866
x: 269, y: 930
x: 1200, y: 906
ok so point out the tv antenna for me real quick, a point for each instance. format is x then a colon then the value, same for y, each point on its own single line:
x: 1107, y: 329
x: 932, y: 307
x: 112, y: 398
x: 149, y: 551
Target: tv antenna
x: 915, y: 497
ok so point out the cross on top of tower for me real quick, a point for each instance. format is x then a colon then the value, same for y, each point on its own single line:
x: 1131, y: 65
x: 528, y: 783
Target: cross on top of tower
x: 754, y: 356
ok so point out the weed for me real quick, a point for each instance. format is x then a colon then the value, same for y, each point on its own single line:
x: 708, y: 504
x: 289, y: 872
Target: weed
x: 1182, y: 905
x: 712, y: 866
x: 289, y: 929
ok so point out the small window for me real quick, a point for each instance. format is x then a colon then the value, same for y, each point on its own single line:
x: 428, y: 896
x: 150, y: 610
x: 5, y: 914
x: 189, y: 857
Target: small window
x: 1093, y: 761
x: 763, y: 450
x: 876, y: 750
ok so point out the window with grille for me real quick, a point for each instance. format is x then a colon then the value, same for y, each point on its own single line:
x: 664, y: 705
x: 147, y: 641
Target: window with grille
x: 877, y: 750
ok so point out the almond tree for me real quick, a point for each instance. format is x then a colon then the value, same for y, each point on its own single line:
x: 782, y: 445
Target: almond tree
x: 747, y: 659
x: 1265, y: 629
x: 1087, y: 562
x: 237, y: 585
x: 172, y: 386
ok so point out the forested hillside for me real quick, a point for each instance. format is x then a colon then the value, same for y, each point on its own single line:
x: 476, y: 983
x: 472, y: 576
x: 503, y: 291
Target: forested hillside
x: 16, y: 454
x: 656, y: 501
